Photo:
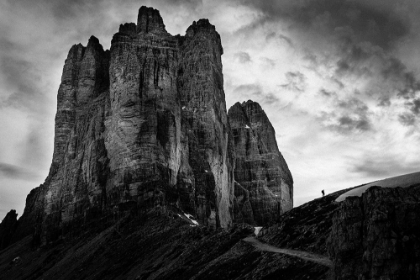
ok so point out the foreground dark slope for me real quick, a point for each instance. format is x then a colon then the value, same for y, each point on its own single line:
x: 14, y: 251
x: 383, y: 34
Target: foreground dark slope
x: 163, y: 245
x: 368, y: 237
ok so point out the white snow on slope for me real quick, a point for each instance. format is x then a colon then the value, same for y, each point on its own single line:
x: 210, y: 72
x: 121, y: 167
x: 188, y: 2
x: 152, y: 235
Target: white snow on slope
x: 257, y: 230
x: 190, y: 217
x: 403, y: 181
x: 247, y: 127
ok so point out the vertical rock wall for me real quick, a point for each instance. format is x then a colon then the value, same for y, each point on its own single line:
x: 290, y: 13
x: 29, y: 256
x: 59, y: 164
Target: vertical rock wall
x: 78, y: 172
x: 143, y: 129
x: 263, y: 182
x: 204, y: 123
x: 167, y: 130
x: 145, y: 125
x: 7, y: 229
x: 377, y: 236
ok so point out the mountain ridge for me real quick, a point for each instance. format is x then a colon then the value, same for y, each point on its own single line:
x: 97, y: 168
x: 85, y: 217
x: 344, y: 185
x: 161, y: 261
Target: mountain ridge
x: 144, y: 125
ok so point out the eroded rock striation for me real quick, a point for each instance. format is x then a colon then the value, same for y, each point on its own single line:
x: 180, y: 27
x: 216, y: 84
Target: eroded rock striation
x: 167, y: 131
x: 263, y: 182
x: 377, y: 235
x: 144, y: 126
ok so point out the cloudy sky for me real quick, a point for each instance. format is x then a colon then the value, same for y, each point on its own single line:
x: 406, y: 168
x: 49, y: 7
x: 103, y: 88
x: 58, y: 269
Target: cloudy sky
x: 339, y: 80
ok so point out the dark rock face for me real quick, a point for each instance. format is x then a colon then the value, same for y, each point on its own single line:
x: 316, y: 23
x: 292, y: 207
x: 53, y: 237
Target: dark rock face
x: 377, y: 236
x: 164, y: 245
x: 306, y: 227
x: 166, y: 134
x: 149, y: 20
x: 31, y: 220
x: 157, y: 246
x: 7, y: 228
x: 78, y: 173
x: 263, y: 182
x: 372, y: 237
x: 144, y: 125
x: 142, y: 139
x: 205, y: 128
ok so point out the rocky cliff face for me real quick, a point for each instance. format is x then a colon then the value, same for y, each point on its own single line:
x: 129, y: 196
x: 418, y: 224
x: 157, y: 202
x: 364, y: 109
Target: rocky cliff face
x: 7, y: 228
x: 144, y: 125
x: 263, y: 182
x: 167, y: 132
x: 377, y: 236
x: 79, y: 172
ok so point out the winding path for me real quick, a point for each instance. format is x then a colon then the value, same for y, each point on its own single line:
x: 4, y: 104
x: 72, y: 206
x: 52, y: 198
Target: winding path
x: 295, y: 253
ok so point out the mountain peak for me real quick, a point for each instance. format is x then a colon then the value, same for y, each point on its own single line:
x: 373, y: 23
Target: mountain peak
x: 140, y: 120
x: 149, y: 20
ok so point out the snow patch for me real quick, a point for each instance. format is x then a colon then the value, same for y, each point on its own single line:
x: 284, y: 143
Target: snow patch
x: 247, y: 127
x: 183, y: 107
x: 257, y: 231
x: 190, y: 217
x: 403, y: 181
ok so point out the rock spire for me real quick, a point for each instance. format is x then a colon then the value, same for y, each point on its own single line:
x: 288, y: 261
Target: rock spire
x: 263, y: 182
x: 145, y: 126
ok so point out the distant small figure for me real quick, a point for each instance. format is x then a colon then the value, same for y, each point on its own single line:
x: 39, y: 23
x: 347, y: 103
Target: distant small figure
x: 323, y: 193
x: 16, y: 260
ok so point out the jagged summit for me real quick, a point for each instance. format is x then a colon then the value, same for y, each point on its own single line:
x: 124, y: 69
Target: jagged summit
x: 149, y: 20
x: 201, y: 24
x: 144, y: 126
x: 93, y: 42
x: 246, y: 109
x: 128, y: 28
x: 263, y: 182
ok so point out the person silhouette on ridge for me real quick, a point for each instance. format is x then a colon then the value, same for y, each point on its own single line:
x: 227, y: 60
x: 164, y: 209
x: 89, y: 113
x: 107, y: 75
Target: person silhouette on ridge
x: 323, y: 193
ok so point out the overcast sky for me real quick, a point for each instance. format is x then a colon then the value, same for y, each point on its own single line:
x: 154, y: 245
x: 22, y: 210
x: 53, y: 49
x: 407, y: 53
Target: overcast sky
x: 339, y: 80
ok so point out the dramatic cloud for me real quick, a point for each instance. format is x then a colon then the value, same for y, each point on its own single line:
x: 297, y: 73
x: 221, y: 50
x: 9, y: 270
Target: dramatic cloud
x: 296, y: 81
x: 275, y: 36
x: 22, y: 84
x: 340, y: 80
x: 415, y: 106
x: 407, y: 119
x: 385, y: 166
x: 16, y: 172
x: 243, y: 57
x: 253, y: 91
x: 355, y: 39
x: 327, y: 93
x: 351, y: 21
